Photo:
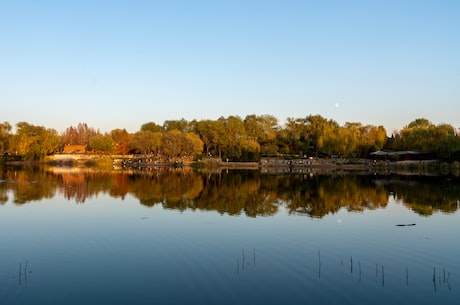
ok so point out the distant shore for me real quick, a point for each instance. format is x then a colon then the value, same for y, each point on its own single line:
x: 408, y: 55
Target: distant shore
x: 265, y: 165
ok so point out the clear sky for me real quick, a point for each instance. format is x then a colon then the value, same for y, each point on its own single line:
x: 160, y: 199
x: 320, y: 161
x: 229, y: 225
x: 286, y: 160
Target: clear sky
x: 120, y: 64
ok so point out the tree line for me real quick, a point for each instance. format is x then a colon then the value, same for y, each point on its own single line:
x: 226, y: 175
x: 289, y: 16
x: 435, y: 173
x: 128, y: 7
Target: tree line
x: 234, y: 138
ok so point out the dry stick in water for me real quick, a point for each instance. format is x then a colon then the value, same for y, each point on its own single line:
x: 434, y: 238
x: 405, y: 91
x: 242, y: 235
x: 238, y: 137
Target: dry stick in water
x: 20, y: 272
x: 383, y: 276
x: 319, y: 264
x: 25, y: 272
x: 447, y: 281
x: 351, y: 264
x: 407, y: 276
x: 359, y: 265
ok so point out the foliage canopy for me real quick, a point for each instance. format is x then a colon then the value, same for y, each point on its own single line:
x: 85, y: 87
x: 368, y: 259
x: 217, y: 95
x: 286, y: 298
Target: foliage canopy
x: 235, y: 138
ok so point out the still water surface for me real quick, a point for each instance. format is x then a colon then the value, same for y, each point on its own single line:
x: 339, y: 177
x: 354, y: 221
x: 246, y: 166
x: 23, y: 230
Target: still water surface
x: 181, y: 237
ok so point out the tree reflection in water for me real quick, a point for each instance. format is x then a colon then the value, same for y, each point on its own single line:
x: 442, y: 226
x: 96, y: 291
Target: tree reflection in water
x: 234, y: 192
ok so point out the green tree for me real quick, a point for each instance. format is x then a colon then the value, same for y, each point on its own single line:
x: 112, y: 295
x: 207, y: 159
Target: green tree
x: 292, y: 137
x: 321, y: 133
x: 420, y: 124
x: 152, y: 127
x: 181, y: 125
x: 262, y: 129
x: 146, y: 142
x: 102, y: 143
x: 211, y: 133
x: 5, y: 133
x: 172, y: 144
x: 233, y: 136
x: 34, y: 142
x: 447, y: 140
x: 193, y: 145
x: 415, y: 136
x: 358, y: 140
x: 422, y: 135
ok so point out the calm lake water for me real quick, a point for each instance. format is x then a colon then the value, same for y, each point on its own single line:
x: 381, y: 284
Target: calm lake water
x: 175, y: 236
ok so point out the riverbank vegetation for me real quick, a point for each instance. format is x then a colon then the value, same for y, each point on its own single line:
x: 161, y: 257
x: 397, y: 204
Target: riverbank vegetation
x: 231, y: 138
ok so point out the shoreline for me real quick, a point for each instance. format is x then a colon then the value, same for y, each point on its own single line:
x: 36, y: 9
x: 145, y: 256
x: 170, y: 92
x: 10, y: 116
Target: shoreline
x: 265, y: 165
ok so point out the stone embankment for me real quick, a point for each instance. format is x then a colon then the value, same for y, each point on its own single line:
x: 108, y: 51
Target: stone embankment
x: 269, y: 165
x: 280, y: 165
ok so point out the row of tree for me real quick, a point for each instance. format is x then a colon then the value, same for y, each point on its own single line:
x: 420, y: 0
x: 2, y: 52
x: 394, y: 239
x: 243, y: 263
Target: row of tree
x: 234, y: 138
x: 422, y: 135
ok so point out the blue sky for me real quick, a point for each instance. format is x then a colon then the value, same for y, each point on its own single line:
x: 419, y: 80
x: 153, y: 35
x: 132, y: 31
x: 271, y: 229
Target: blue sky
x: 120, y: 64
